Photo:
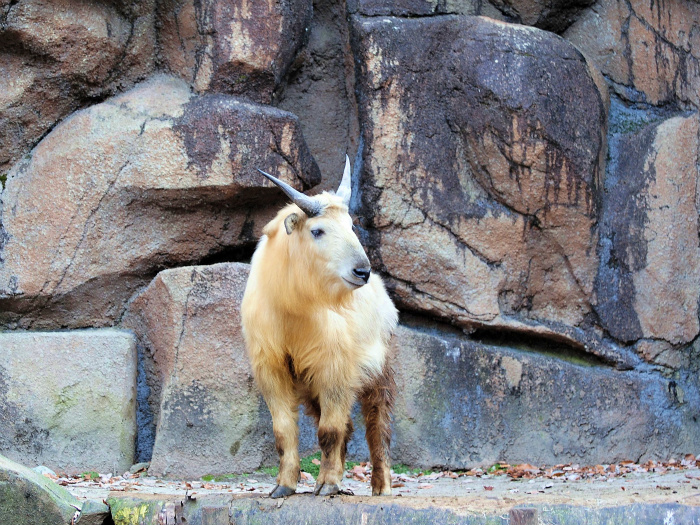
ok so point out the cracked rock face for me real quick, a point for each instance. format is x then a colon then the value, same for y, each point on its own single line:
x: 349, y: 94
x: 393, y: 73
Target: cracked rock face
x: 152, y: 178
x: 484, y: 145
x: 649, y: 240
x: 242, y: 47
x: 57, y: 55
x: 650, y: 51
x: 202, y: 390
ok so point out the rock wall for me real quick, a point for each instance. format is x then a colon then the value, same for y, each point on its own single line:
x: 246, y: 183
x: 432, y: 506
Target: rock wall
x: 526, y: 181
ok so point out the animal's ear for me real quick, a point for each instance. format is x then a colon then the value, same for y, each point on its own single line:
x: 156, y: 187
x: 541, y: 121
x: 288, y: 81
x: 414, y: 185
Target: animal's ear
x: 291, y: 222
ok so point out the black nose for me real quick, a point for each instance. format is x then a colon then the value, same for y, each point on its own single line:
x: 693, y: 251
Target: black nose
x: 362, y: 273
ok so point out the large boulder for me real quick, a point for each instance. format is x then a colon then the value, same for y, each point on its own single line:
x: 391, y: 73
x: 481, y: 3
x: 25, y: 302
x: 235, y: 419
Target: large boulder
x: 649, y: 278
x: 28, y: 498
x: 648, y: 50
x: 464, y: 403
x: 239, y: 47
x: 153, y: 178
x: 484, y: 148
x: 57, y: 55
x: 210, y: 418
x: 68, y: 399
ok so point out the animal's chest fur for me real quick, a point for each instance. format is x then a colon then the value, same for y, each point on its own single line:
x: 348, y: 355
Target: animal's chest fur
x: 327, y: 348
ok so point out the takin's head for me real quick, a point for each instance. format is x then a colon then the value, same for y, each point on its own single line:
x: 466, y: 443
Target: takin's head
x: 320, y: 240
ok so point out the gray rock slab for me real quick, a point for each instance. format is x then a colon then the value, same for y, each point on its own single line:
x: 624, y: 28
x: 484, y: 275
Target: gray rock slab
x: 462, y: 403
x: 68, y: 399
x: 28, y: 498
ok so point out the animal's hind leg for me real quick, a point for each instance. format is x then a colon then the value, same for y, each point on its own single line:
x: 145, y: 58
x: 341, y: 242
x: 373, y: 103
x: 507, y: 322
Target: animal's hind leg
x: 377, y: 402
x: 278, y: 390
x: 333, y: 434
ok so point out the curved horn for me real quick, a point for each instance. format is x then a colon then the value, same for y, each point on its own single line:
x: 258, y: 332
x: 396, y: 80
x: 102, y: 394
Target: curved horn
x: 344, y: 190
x: 310, y: 206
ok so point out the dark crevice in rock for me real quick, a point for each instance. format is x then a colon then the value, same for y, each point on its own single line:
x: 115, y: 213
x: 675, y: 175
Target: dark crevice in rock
x: 547, y: 346
x: 511, y: 339
x: 318, y: 88
x: 242, y: 253
x: 145, y: 420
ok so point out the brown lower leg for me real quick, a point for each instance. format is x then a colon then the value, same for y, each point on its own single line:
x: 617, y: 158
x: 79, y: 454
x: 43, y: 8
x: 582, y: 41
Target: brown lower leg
x: 377, y: 402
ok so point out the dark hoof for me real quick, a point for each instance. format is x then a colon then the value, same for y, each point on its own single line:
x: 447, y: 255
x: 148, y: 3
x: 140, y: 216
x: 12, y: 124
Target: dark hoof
x: 281, y: 491
x: 326, y: 489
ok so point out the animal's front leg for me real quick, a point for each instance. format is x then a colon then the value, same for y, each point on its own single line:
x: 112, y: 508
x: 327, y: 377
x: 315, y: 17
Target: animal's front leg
x: 278, y: 390
x: 334, y: 430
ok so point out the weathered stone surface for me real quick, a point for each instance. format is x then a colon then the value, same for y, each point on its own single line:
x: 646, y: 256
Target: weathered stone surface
x: 28, y: 498
x: 649, y: 278
x: 462, y: 403
x: 650, y: 51
x: 154, y: 177
x: 240, y: 47
x: 484, y: 150
x: 211, y: 419
x: 68, y: 399
x: 55, y: 56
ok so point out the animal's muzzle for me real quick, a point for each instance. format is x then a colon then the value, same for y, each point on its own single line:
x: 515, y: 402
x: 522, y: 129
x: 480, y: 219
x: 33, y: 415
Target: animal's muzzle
x: 362, y: 273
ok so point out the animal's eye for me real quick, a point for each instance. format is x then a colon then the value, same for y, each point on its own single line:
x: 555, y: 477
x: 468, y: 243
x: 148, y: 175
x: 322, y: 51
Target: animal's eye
x: 317, y: 232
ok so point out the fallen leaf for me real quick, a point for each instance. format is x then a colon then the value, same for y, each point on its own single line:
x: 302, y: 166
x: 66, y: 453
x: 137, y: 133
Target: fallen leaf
x: 315, y: 461
x: 425, y: 486
x: 524, y: 470
x: 486, y: 487
x: 397, y: 485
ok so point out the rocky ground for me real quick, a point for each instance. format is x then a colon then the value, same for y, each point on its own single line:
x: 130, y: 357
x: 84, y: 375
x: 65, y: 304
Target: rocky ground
x: 587, y: 492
